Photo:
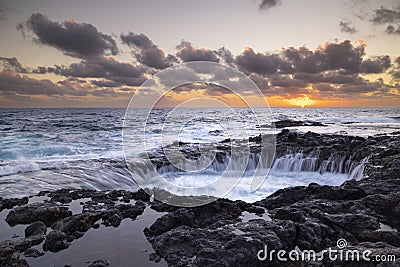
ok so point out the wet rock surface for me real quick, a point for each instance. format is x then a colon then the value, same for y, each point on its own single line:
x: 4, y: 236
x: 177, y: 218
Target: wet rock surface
x: 366, y: 213
x: 292, y: 123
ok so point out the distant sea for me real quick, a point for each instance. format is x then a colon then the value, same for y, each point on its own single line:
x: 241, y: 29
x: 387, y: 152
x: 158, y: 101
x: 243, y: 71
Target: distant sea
x: 47, y: 149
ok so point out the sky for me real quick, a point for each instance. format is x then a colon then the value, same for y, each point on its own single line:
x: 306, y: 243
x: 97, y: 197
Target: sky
x: 310, y: 53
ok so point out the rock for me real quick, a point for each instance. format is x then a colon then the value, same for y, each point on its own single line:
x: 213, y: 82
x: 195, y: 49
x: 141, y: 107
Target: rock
x: 9, y: 256
x: 292, y: 214
x: 154, y: 257
x: 12, y: 202
x: 292, y: 123
x: 141, y: 195
x: 99, y: 263
x: 36, y: 228
x: 162, y: 207
x: 48, y: 213
x: 33, y: 253
x: 112, y: 217
x: 77, y: 223
x: 131, y: 211
x: 292, y: 136
x: 56, y: 241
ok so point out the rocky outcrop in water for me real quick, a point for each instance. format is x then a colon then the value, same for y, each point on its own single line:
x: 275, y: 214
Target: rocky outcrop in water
x: 365, y: 213
x: 292, y: 123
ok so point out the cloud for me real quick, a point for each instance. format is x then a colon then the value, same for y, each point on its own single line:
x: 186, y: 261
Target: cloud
x: 375, y: 65
x: 395, y: 71
x: 101, y: 67
x: 149, y: 53
x: 12, y: 64
x: 13, y: 84
x: 331, y: 77
x: 249, y: 61
x: 392, y: 30
x: 332, y: 70
x: 329, y: 56
x: 389, y: 16
x: 343, y: 56
x: 105, y: 83
x: 74, y: 39
x: 187, y: 52
x: 225, y: 55
x: 286, y: 81
x: 267, y: 4
x: 346, y: 27
x: 386, y: 15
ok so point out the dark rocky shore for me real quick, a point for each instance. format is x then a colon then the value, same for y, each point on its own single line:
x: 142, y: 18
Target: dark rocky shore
x: 365, y: 212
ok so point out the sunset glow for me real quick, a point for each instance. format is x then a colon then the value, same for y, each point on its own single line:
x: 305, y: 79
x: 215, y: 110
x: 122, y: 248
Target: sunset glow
x: 302, y: 101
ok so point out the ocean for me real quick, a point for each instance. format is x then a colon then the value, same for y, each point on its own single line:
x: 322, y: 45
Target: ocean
x: 48, y: 149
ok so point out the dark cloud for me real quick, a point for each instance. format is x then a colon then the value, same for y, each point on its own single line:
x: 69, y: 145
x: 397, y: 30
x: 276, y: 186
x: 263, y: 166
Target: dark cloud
x: 11, y: 82
x: 225, y: 55
x: 15, y: 84
x: 389, y: 16
x: 105, y: 83
x: 171, y: 78
x: 138, y: 40
x: 384, y: 15
x: 375, y: 65
x: 395, y: 71
x: 21, y: 29
x: 267, y: 4
x: 12, y: 64
x: 101, y: 67
x: 149, y: 53
x: 346, y: 27
x: 286, y: 81
x: 75, y: 39
x: 187, y: 52
x: 262, y: 83
x: 343, y: 56
x: 392, y: 30
x: 330, y: 56
x: 305, y: 60
x: 26, y: 85
x: 331, y: 77
x: 249, y: 61
x: 324, y: 87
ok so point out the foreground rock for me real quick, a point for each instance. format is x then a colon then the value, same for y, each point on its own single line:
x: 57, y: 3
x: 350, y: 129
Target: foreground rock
x: 9, y: 256
x: 366, y: 213
x: 48, y: 213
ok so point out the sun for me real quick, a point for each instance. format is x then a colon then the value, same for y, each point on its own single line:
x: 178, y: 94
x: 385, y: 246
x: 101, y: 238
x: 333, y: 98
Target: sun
x: 302, y: 101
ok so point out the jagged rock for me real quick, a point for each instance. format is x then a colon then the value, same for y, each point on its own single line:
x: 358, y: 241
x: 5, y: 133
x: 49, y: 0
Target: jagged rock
x: 10, y: 203
x: 56, y: 241
x: 292, y: 123
x: 33, y: 253
x: 77, y: 223
x: 36, y: 228
x: 131, y: 211
x: 48, y: 213
x: 9, y: 256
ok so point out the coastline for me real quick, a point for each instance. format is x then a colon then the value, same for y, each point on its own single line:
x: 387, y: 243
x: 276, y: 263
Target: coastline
x: 364, y: 212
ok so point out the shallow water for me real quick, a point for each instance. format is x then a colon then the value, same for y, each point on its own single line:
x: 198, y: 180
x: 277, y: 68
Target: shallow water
x: 125, y: 245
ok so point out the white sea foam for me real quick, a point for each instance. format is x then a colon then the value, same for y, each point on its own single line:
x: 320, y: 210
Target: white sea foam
x: 45, y: 149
